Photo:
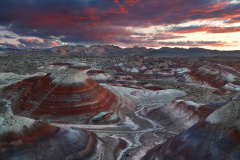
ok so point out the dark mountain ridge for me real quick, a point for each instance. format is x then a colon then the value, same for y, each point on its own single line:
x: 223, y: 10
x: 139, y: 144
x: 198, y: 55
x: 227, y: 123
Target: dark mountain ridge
x: 111, y: 50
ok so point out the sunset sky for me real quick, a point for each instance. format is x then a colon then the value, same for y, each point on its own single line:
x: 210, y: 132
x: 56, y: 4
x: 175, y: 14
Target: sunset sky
x: 211, y: 24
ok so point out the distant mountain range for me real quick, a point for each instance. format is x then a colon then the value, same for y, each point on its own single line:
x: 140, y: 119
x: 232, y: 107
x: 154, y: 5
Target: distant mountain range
x: 110, y: 50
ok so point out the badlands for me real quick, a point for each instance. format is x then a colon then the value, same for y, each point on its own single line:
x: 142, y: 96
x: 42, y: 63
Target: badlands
x: 119, y: 107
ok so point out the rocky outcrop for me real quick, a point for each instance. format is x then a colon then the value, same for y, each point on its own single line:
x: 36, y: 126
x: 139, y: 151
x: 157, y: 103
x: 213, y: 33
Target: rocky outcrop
x: 214, y: 75
x: 80, y: 50
x: 202, y: 141
x: 65, y: 95
x: 137, y: 50
x: 105, y: 50
x: 218, y: 137
x: 99, y: 76
x: 23, y: 138
x: 96, y: 50
x: 179, y: 115
x: 62, y: 50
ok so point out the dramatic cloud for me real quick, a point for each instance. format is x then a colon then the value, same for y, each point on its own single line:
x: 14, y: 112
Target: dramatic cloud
x: 8, y: 36
x: 35, y: 43
x: 234, y: 20
x: 194, y: 29
x: 196, y: 43
x: 30, y: 43
x: 112, y: 21
x: 7, y: 45
x: 162, y: 36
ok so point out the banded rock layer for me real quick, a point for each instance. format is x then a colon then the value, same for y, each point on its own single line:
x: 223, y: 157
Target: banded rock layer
x: 63, y: 96
x: 179, y: 115
x: 218, y: 137
x: 23, y: 138
x: 217, y: 76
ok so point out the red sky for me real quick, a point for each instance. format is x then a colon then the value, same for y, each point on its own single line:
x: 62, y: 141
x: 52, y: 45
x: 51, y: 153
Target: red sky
x: 213, y: 24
